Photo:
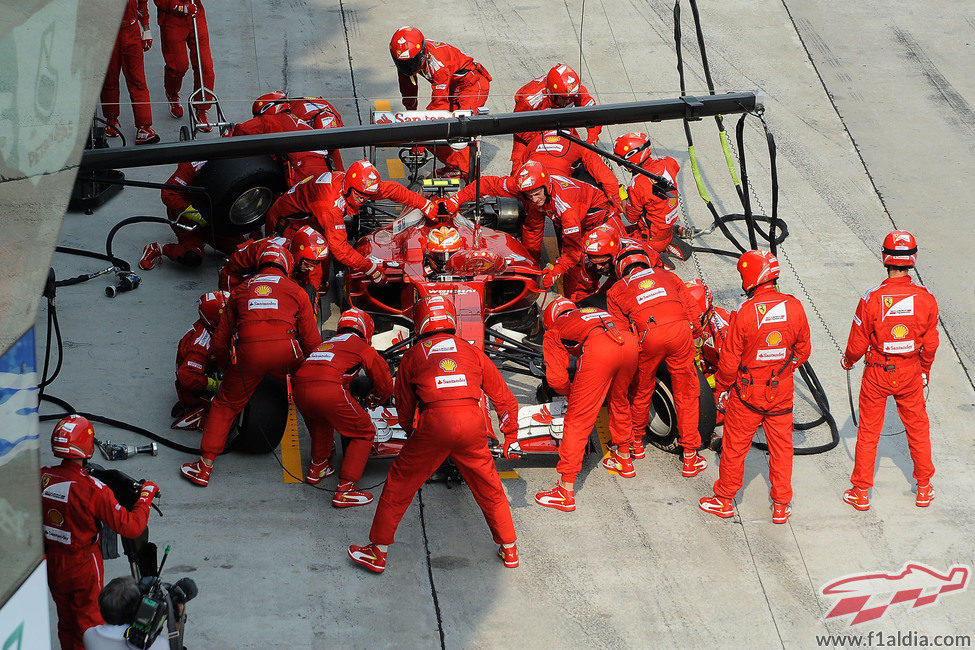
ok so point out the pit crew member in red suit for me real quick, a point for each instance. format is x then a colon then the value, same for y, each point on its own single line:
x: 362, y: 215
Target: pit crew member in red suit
x: 439, y: 386
x: 561, y: 157
x: 714, y: 320
x: 272, y: 114
x: 133, y: 39
x: 654, y: 216
x: 607, y: 352
x: 196, y: 368
x: 659, y: 307
x: 323, y: 203
x: 322, y: 396
x: 73, y: 504
x: 768, y: 337
x: 573, y: 206
x: 558, y: 88
x: 268, y: 329
x: 457, y: 82
x: 191, y: 229
x: 896, y: 328
x: 175, y: 18
x: 603, y: 246
x: 319, y: 113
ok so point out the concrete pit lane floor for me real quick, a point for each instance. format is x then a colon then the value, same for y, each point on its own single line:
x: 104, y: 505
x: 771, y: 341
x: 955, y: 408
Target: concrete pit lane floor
x: 871, y: 107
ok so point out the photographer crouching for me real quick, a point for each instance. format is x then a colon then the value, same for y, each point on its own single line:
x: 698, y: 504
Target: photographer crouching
x: 74, y: 503
x: 134, y: 611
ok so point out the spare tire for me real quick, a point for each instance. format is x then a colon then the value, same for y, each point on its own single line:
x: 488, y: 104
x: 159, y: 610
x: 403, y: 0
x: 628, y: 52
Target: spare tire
x: 662, y: 427
x: 260, y: 426
x: 240, y: 191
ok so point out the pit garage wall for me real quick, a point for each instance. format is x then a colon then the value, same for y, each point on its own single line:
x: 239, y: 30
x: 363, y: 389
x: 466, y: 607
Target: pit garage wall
x: 53, y: 55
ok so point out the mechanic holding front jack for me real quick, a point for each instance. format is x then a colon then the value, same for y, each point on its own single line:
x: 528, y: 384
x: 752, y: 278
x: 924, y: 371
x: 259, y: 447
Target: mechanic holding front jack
x: 558, y: 88
x: 659, y: 307
x: 439, y: 386
x: 457, y: 82
x: 323, y: 203
x: 322, y: 395
x: 573, y: 206
x: 607, y: 352
x: 768, y: 338
x: 896, y: 328
x: 268, y: 329
x: 72, y: 501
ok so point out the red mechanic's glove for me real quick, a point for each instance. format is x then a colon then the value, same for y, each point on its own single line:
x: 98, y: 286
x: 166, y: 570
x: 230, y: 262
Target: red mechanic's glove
x: 430, y: 210
x: 549, y: 278
x: 844, y: 364
x: 146, y: 39
x: 375, y: 272
x: 723, y: 400
x: 512, y: 450
x: 450, y: 205
x: 185, y: 8
x: 924, y: 379
x: 149, y: 491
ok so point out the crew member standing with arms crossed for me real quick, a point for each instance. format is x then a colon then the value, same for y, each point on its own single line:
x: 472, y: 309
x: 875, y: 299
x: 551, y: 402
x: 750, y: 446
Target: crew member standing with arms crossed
x: 896, y: 328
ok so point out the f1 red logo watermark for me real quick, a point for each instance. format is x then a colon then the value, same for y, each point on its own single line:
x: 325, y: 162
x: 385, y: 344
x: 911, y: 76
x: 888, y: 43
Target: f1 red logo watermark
x: 868, y: 595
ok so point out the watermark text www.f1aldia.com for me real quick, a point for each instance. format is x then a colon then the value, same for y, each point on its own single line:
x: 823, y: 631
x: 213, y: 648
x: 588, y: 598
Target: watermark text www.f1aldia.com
x: 910, y: 639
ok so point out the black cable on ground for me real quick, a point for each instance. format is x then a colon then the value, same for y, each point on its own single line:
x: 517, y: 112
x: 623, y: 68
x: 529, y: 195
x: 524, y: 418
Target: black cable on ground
x: 125, y: 222
x: 433, y: 586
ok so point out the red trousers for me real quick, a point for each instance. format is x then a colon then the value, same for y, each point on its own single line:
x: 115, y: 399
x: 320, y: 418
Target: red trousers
x: 672, y: 344
x: 457, y: 430
x: 740, y: 424
x: 75, y: 580
x: 255, y: 359
x: 194, y: 241
x: 179, y: 52
x: 470, y: 94
x: 327, y: 407
x: 904, y: 384
x: 605, y: 368
x: 127, y: 59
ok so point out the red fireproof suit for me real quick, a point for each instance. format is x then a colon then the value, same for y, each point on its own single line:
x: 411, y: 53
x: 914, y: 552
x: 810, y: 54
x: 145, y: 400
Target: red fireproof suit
x: 242, y: 264
x: 768, y: 337
x: 658, y: 305
x: 591, y: 283
x: 713, y: 339
x: 560, y: 157
x: 457, y: 83
x: 318, y: 112
x: 299, y: 164
x: 896, y: 327
x: 72, y: 501
x: 439, y: 384
x: 319, y: 203
x: 179, y: 47
x: 190, y: 241
x: 321, y: 388
x: 127, y: 59
x: 532, y: 97
x: 272, y: 321
x: 607, y: 352
x: 573, y: 206
x: 193, y: 360
x: 642, y: 205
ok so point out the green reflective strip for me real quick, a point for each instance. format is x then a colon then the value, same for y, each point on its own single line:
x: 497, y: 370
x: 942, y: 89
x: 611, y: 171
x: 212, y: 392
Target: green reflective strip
x: 697, y: 175
x: 728, y: 158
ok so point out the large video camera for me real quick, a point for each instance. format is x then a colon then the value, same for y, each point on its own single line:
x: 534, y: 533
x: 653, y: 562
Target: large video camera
x: 162, y: 606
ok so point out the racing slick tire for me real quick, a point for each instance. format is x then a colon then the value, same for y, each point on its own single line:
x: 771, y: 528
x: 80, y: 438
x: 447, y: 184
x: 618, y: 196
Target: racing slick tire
x: 240, y: 191
x: 662, y: 428
x: 260, y: 426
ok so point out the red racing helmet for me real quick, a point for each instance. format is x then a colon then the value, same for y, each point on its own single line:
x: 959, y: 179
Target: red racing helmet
x: 757, y: 267
x: 631, y: 254
x: 633, y: 147
x: 900, y: 249
x: 73, y: 437
x: 274, y: 254
x: 358, y: 320
x: 211, y: 308
x: 701, y: 294
x: 555, y: 309
x: 408, y: 49
x: 442, y: 242
x: 434, y: 314
x: 270, y: 103
x: 561, y: 85
x: 363, y: 177
x: 532, y: 175
x: 308, y: 244
x: 602, y: 240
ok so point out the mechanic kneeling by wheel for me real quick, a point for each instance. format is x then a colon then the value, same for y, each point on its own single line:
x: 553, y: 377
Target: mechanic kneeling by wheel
x: 268, y: 329
x: 322, y: 395
x: 440, y: 381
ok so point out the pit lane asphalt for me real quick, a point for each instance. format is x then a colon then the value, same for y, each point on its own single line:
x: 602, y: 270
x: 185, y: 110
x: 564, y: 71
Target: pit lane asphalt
x: 870, y: 104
